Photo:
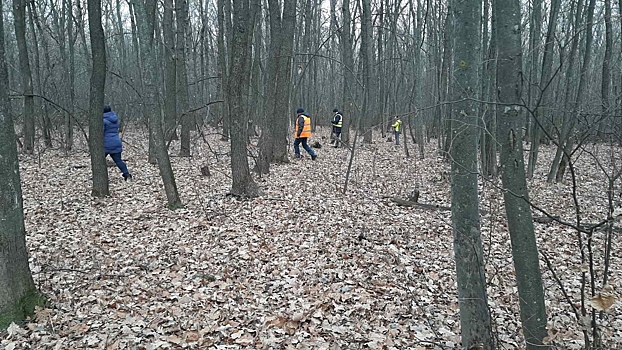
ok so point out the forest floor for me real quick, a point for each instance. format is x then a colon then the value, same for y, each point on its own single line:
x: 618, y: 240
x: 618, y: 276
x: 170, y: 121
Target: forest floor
x: 304, y: 266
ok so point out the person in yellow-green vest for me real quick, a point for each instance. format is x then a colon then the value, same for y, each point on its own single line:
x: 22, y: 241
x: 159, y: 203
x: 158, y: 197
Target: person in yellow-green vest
x: 337, y: 123
x: 302, y: 134
x: 397, y: 129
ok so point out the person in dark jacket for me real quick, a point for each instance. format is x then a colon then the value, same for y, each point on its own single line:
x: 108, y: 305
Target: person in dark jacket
x: 337, y: 123
x: 112, y: 141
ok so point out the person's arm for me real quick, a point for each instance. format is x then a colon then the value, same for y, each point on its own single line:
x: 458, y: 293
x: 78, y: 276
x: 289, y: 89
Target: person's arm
x: 301, y: 125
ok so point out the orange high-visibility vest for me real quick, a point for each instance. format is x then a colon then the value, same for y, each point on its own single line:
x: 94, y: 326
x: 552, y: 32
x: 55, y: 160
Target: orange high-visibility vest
x: 306, y: 130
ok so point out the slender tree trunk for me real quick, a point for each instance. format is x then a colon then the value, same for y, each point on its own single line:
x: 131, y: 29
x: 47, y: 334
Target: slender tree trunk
x: 606, y: 70
x: 543, y: 110
x: 568, y: 119
x: 349, y: 79
x: 18, y: 294
x: 145, y: 17
x: 517, y: 208
x: 582, y: 88
x: 474, y: 314
x: 367, y: 63
x: 38, y: 88
x: 535, y: 29
x: 19, y: 14
x: 183, y: 25
x: 96, y: 101
x: 223, y: 69
x: 446, y: 82
x: 170, y: 75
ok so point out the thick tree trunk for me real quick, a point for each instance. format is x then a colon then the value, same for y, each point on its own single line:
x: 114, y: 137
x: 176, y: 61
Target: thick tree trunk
x: 243, y: 184
x: 96, y: 101
x: 273, y: 141
x: 515, y: 194
x: 474, y: 314
x: 18, y: 295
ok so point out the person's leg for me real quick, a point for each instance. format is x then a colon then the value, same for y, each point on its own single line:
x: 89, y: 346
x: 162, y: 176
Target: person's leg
x: 121, y: 164
x: 397, y: 138
x: 297, y: 148
x: 337, y: 137
x: 309, y: 150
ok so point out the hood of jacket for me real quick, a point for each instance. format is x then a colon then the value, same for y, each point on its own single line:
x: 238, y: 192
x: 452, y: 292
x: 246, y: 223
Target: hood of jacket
x: 111, y: 117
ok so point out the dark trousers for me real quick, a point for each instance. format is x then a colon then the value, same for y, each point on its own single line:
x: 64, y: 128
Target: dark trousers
x: 336, y: 136
x: 116, y: 157
x: 305, y: 145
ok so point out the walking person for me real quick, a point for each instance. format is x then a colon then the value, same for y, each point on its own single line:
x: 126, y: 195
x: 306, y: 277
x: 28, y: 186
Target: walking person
x: 337, y: 123
x: 397, y: 129
x: 302, y: 134
x: 112, y: 141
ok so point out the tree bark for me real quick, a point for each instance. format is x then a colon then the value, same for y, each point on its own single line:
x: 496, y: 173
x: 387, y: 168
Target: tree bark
x: 145, y: 18
x: 366, y: 55
x: 19, y: 14
x: 517, y: 208
x: 243, y: 184
x: 96, y: 101
x: 170, y: 74
x: 273, y: 141
x: 349, y: 79
x: 223, y: 66
x: 18, y: 294
x: 183, y: 26
x: 543, y: 108
x: 474, y: 314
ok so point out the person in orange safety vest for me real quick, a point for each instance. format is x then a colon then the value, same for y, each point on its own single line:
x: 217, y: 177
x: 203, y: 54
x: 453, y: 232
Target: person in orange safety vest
x: 302, y: 134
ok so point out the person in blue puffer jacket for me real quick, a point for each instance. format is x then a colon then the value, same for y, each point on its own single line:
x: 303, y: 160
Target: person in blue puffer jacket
x: 112, y: 141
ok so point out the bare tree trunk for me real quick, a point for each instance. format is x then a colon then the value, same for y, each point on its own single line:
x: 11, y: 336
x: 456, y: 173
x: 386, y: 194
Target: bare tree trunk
x: 18, y: 294
x: 474, y: 314
x: 38, y: 71
x: 68, y: 52
x: 568, y: 119
x: 145, y: 18
x: 446, y: 82
x: 582, y: 88
x: 170, y: 75
x: 515, y: 194
x: 367, y: 63
x: 273, y: 142
x: 543, y: 109
x: 243, y: 184
x: 606, y: 70
x: 535, y: 41
x: 349, y: 79
x: 223, y: 67
x: 19, y: 14
x: 96, y: 102
x: 183, y: 26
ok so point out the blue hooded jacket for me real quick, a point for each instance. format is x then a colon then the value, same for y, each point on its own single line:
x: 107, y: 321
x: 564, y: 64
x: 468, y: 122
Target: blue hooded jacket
x: 112, y: 141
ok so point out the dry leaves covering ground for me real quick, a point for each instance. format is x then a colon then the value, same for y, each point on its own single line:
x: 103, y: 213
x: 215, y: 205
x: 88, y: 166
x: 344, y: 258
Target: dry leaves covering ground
x: 302, y: 267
